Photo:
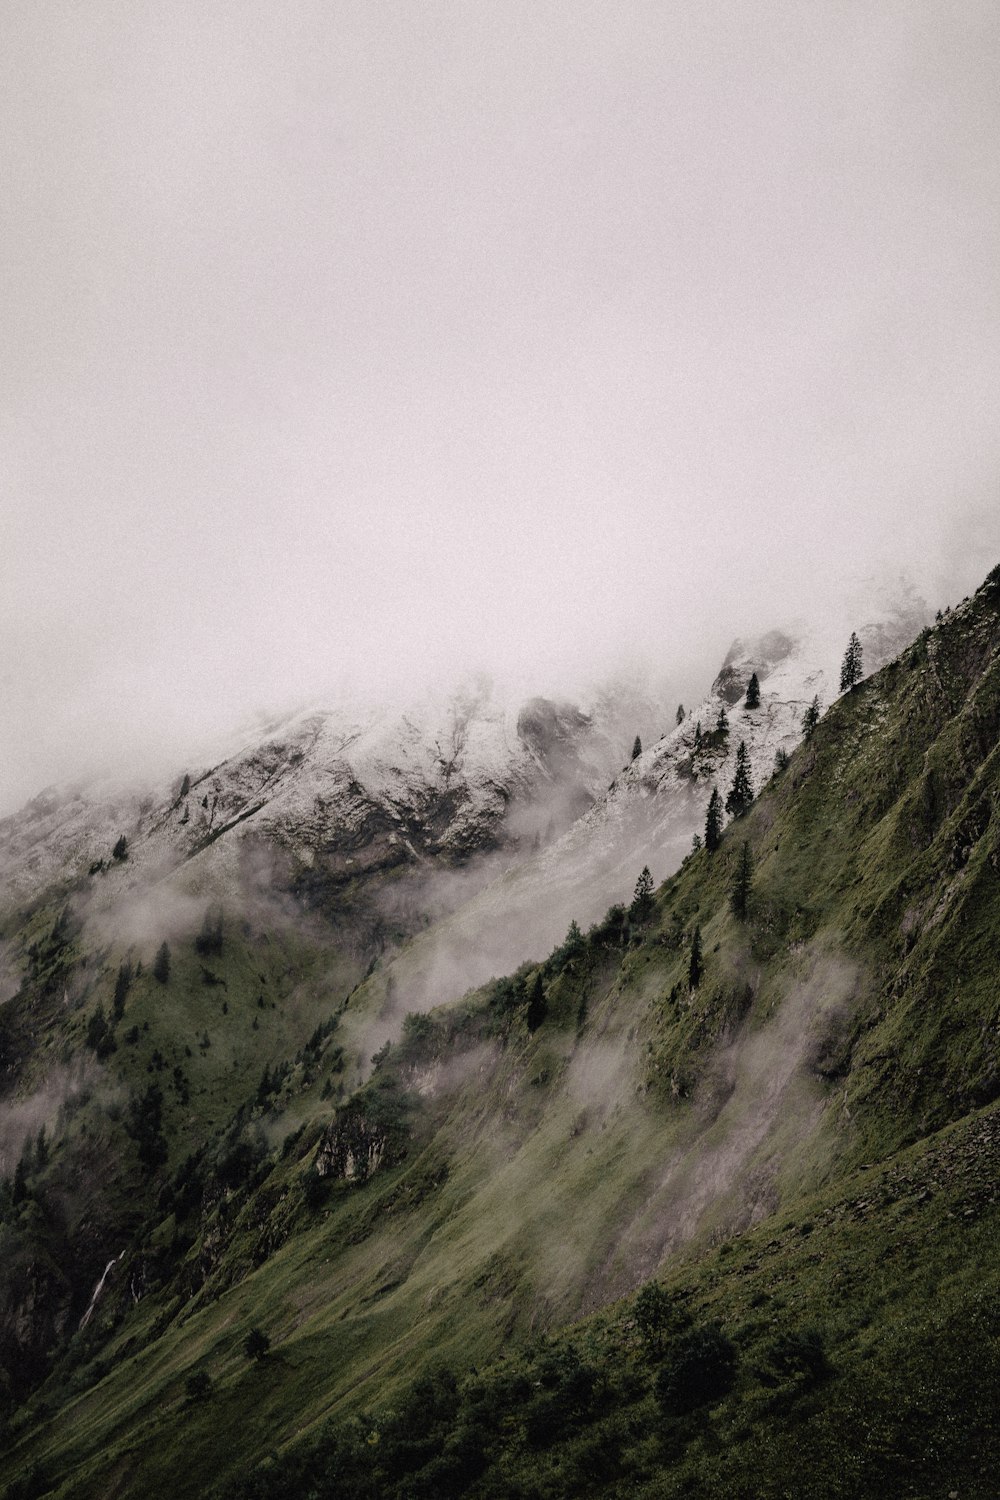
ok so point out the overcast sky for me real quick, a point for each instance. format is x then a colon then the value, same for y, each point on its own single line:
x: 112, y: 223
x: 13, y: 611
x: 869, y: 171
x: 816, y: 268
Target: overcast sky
x: 357, y: 342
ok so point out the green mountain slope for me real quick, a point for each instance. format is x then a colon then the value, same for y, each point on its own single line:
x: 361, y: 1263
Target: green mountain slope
x: 778, y: 1141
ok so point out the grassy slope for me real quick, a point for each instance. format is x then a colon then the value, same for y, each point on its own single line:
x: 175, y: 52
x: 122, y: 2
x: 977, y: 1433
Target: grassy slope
x: 546, y: 1174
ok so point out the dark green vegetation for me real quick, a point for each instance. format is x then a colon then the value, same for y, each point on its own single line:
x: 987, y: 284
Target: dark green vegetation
x: 704, y: 1204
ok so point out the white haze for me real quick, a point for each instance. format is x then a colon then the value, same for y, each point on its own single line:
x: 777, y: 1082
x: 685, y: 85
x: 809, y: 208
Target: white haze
x: 348, y: 346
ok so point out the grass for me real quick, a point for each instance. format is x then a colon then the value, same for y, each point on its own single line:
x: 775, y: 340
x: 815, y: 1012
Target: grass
x: 799, y: 1143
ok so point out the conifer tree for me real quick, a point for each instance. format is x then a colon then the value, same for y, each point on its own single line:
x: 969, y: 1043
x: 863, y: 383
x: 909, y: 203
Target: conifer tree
x: 574, y: 940
x: 741, y: 792
x: 696, y: 843
x: 850, y: 672
x: 696, y: 966
x: 99, y: 1034
x: 811, y: 718
x: 697, y: 735
x: 739, y: 894
x: 642, y: 901
x: 680, y: 713
x: 753, y: 692
x: 713, y: 821
x: 537, y: 1008
x: 19, y: 1191
x: 161, y: 964
x: 722, y: 722
x: 637, y: 748
x: 123, y: 984
x: 120, y: 851
x: 780, y: 760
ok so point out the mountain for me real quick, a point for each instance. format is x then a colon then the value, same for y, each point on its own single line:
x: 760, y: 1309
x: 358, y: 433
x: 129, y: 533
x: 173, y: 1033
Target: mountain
x: 655, y: 805
x: 606, y: 1225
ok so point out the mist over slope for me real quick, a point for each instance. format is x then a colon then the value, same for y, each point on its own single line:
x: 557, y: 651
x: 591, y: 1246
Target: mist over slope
x: 229, y: 1154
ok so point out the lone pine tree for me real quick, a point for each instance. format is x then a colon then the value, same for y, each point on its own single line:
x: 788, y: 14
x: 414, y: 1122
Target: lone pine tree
x: 637, y: 748
x: 811, y: 718
x: 713, y: 821
x: 642, y: 901
x: 535, y: 1013
x: 741, y: 792
x: 850, y: 672
x: 753, y: 692
x: 161, y: 964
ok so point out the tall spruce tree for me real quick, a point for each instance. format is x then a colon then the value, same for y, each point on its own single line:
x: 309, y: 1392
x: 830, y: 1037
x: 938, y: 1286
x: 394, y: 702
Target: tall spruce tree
x: 123, y: 983
x: 713, y: 821
x: 851, y: 672
x: 811, y: 718
x: 741, y: 792
x: 642, y: 901
x: 680, y: 713
x: 722, y: 722
x: 753, y: 692
x: 161, y: 964
x: 537, y: 1007
x: 739, y: 893
x: 637, y: 748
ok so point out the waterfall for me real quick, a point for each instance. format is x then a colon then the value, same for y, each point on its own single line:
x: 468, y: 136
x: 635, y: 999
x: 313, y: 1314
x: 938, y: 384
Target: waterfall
x: 98, y: 1289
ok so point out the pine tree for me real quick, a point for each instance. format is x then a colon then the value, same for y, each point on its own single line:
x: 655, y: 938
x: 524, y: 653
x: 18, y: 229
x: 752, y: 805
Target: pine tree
x: 739, y: 894
x: 99, y: 1034
x: 850, y: 672
x: 120, y: 851
x: 753, y: 692
x: 741, y: 792
x: 696, y: 843
x: 713, y: 821
x: 573, y: 946
x: 642, y: 901
x: 697, y: 735
x: 680, y: 713
x: 537, y: 1008
x: 780, y: 760
x: 722, y: 722
x: 696, y: 966
x: 637, y: 748
x: 161, y: 964
x: 123, y: 984
x: 19, y: 1191
x: 811, y: 718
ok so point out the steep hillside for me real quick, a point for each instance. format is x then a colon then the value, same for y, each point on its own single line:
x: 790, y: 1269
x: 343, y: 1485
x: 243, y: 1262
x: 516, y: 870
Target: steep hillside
x: 654, y: 806
x: 778, y: 1096
x: 161, y: 953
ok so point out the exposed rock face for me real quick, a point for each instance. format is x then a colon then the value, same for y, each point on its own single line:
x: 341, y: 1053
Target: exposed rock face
x: 762, y: 656
x: 355, y: 1146
x: 355, y: 792
x: 34, y: 1315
